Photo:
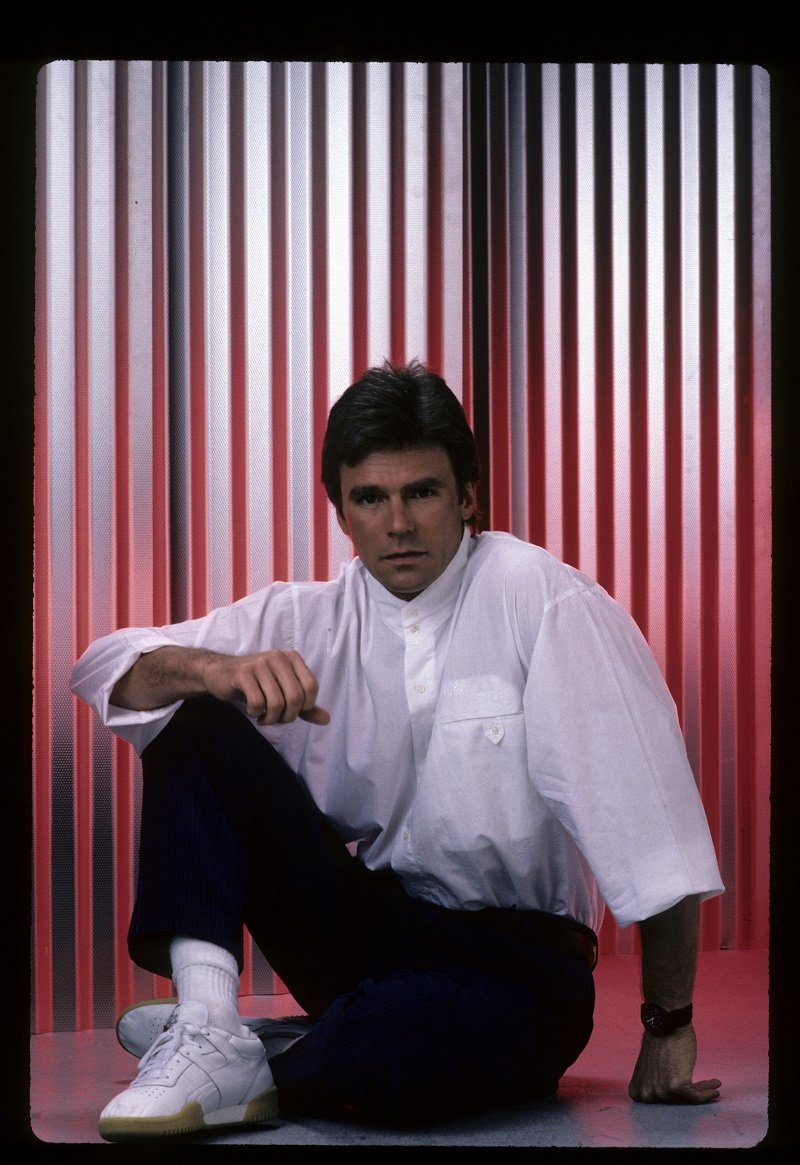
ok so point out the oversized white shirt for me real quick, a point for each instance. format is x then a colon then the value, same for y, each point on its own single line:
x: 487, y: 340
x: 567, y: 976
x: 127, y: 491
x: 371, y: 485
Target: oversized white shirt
x: 504, y: 739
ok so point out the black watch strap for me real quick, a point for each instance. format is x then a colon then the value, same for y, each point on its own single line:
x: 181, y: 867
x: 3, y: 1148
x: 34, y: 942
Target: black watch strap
x: 659, y: 1022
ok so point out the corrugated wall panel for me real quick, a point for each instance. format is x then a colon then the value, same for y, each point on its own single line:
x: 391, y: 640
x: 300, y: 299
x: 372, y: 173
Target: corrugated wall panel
x: 583, y: 252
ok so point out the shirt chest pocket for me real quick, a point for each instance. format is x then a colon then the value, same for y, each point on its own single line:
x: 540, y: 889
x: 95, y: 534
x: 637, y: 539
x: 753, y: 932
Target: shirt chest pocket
x: 478, y: 715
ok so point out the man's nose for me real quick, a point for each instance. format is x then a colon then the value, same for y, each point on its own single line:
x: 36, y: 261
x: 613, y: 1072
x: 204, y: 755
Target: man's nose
x: 401, y: 519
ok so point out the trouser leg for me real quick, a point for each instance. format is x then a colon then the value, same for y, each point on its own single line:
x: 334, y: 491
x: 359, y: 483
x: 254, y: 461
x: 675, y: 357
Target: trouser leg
x: 229, y: 837
x: 418, y: 1015
x: 480, y: 1023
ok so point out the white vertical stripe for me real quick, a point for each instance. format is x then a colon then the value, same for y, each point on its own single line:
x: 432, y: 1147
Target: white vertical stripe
x: 216, y: 291
x: 726, y: 354
x: 258, y: 308
x: 453, y: 225
x: 100, y: 334
x: 340, y: 234
x: 690, y: 350
x: 140, y: 331
x: 416, y: 209
x: 584, y: 162
x: 378, y: 210
x: 726, y: 430
x: 56, y: 143
x: 621, y: 293
x: 654, y: 139
x: 518, y: 305
x: 551, y: 216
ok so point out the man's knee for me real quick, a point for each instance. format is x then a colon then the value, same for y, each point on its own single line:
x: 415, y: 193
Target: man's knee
x: 199, y: 714
x: 408, y: 1050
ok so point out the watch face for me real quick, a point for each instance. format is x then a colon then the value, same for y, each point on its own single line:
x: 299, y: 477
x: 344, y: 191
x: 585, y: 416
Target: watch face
x: 652, y: 1019
x: 659, y: 1022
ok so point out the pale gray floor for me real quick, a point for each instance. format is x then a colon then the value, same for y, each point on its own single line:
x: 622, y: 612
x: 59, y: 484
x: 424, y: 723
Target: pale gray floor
x: 74, y: 1074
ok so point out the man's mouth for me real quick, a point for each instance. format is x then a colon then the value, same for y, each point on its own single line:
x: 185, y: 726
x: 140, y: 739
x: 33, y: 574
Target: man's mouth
x: 403, y: 555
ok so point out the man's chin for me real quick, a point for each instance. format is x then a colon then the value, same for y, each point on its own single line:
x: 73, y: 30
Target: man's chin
x: 404, y: 584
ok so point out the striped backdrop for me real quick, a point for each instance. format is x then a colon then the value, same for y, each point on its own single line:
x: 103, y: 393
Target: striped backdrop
x: 581, y: 250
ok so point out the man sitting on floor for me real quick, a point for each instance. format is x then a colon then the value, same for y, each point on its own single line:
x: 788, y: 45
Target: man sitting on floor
x: 489, y: 732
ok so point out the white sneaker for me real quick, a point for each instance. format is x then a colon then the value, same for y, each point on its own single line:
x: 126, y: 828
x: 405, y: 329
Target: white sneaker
x: 193, y: 1077
x: 141, y: 1023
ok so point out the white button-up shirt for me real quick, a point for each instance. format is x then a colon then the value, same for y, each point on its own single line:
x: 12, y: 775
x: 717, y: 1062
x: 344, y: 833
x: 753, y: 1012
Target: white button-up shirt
x: 504, y: 739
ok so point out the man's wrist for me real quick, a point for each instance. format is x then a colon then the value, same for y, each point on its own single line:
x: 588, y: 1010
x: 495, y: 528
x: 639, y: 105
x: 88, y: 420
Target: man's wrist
x: 660, y: 1022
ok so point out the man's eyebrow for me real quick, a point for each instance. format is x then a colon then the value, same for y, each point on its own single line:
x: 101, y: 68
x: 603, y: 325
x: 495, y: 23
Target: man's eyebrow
x: 359, y: 491
x: 423, y: 483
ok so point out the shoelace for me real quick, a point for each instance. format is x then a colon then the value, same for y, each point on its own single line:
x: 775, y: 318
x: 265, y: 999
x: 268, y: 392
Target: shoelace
x: 171, y: 1040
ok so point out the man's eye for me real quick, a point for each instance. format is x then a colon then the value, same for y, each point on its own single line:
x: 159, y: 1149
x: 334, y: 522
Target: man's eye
x: 368, y: 499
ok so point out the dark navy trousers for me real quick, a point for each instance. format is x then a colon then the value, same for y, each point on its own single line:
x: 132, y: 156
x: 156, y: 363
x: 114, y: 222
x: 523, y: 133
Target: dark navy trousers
x: 420, y: 1013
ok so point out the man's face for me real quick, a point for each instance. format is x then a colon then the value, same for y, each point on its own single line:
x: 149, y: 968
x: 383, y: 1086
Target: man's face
x: 403, y: 513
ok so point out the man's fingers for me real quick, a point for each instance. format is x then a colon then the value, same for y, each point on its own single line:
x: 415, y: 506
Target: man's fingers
x: 316, y: 715
x: 276, y: 686
x: 289, y: 690
x: 699, y: 1092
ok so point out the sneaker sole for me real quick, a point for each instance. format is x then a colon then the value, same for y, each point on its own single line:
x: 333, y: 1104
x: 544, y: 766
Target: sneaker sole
x: 190, y: 1119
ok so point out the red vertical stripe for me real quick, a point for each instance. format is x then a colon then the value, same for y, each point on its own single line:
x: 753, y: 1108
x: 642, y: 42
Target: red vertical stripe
x: 499, y: 363
x: 673, y: 392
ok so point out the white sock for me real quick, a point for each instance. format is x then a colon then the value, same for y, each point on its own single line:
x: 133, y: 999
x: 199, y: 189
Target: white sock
x: 208, y: 974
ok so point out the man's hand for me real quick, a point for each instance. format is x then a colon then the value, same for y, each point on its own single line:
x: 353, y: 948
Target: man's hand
x: 663, y: 1072
x: 276, y: 686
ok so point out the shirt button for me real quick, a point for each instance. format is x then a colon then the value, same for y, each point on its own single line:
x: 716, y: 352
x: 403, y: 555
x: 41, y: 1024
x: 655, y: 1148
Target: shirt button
x: 420, y: 688
x: 405, y: 835
x: 495, y: 730
x: 413, y: 630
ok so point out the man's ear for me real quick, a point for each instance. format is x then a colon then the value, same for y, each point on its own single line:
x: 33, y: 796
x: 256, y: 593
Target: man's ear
x: 340, y: 518
x: 468, y: 502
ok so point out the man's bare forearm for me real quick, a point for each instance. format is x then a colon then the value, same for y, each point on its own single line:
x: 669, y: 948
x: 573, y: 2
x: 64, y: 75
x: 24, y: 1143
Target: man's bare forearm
x: 669, y: 954
x: 664, y: 1068
x: 275, y: 686
x: 161, y: 677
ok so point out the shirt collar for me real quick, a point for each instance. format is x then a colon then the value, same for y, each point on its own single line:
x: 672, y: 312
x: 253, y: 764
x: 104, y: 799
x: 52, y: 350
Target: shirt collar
x: 432, y: 605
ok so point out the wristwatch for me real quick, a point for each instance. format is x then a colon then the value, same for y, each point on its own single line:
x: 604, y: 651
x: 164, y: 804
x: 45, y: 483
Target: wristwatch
x: 660, y: 1022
